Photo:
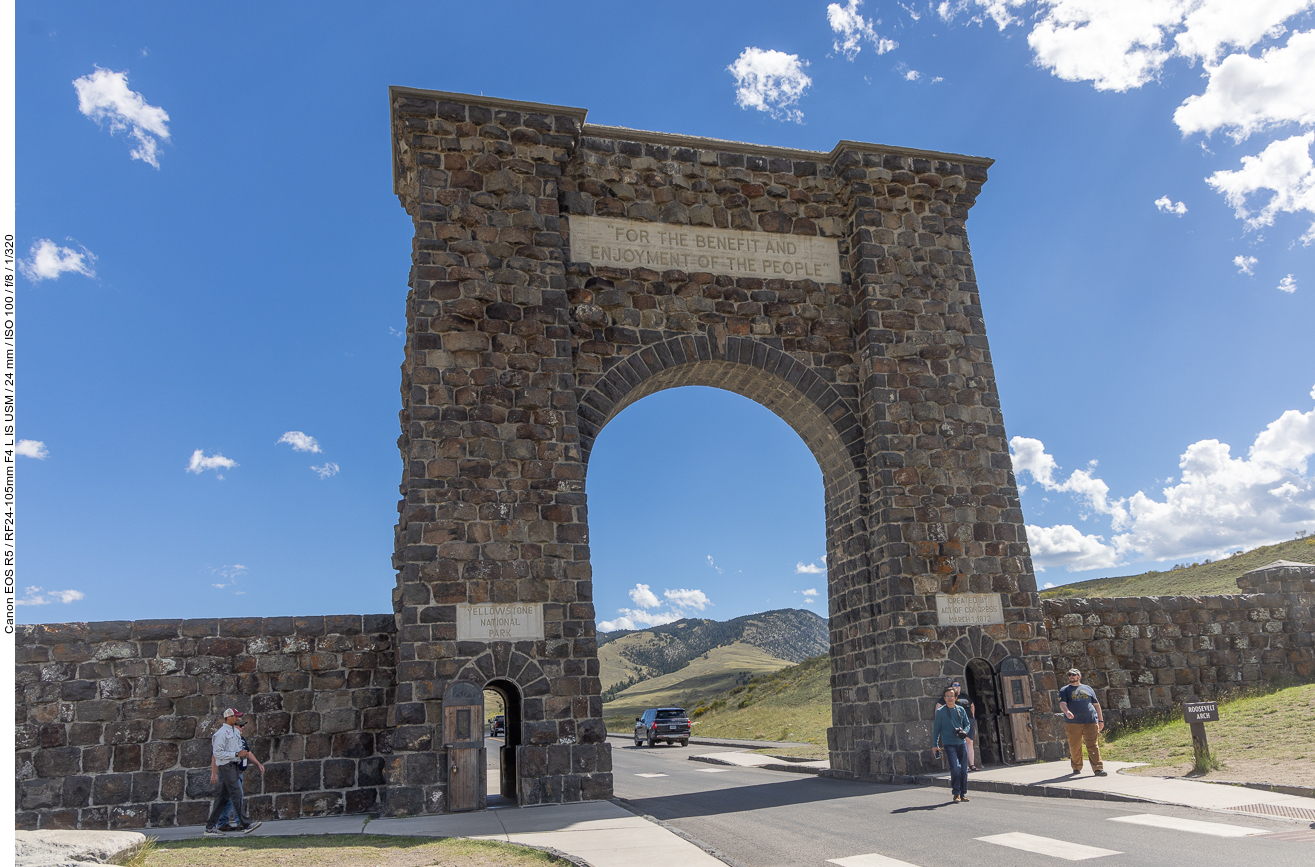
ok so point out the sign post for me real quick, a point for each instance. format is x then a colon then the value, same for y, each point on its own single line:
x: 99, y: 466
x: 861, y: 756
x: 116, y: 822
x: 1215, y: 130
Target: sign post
x: 1197, y: 714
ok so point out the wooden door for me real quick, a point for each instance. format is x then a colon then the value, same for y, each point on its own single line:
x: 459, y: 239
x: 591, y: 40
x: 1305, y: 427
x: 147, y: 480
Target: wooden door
x: 463, y: 741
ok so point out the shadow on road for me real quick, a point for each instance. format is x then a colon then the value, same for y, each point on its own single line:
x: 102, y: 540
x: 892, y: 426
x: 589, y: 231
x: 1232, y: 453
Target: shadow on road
x: 922, y: 808
x: 740, y: 799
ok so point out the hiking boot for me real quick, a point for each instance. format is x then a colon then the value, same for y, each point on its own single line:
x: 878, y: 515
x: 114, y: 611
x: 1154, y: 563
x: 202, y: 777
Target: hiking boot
x: 253, y: 826
x: 963, y: 799
x: 1100, y: 773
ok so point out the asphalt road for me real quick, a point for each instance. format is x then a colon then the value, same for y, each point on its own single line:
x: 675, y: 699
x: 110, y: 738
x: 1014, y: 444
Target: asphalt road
x: 759, y: 818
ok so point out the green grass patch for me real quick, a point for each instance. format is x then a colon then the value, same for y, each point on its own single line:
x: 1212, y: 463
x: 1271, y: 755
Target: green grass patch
x: 346, y: 850
x: 1267, y: 738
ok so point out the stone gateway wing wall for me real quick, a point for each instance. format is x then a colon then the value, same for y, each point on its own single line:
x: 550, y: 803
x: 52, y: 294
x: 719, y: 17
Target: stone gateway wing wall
x: 114, y: 719
x: 1144, y: 654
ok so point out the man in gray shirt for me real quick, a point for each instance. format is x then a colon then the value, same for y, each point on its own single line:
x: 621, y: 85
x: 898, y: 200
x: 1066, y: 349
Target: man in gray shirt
x: 226, y: 746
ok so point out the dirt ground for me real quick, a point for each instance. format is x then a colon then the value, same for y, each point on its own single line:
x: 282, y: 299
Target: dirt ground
x: 346, y: 851
x: 1289, y: 772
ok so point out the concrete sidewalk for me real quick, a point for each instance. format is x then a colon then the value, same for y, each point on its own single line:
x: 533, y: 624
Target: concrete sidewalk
x: 599, y: 833
x: 1055, y: 779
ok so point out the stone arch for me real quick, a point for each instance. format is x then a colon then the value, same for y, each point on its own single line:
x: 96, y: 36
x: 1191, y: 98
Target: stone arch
x: 826, y: 422
x: 503, y: 661
x: 976, y: 642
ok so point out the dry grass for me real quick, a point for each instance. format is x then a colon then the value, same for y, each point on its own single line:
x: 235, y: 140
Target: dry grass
x: 793, y: 704
x: 705, y: 677
x: 1202, y: 579
x: 346, y: 850
x: 1260, y: 739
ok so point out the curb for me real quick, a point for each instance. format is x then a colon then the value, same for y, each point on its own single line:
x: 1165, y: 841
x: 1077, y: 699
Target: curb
x: 1035, y: 791
x: 729, y: 744
x: 1299, y: 791
x: 789, y: 767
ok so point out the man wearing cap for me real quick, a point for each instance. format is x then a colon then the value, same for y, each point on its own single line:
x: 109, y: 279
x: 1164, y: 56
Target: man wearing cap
x: 1083, y: 721
x: 226, y: 747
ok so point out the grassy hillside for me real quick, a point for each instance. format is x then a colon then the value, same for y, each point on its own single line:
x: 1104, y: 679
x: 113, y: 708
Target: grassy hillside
x: 793, y: 704
x: 717, y: 671
x: 1200, y: 579
x: 616, y: 658
x: 788, y: 634
x: 1259, y: 739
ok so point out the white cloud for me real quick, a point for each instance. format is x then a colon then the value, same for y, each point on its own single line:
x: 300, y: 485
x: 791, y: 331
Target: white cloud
x: 712, y: 563
x: 1288, y: 284
x: 200, y: 463
x: 977, y: 11
x: 687, y: 599
x: 47, y: 260
x: 36, y: 596
x: 1220, y: 503
x: 326, y: 469
x: 32, y: 449
x: 1047, y: 585
x: 1285, y: 168
x: 1029, y: 456
x: 1064, y: 545
x: 1247, y: 94
x: 810, y: 595
x: 770, y: 81
x: 104, y: 96
x: 852, y: 30
x: 1212, y: 24
x: 1246, y: 265
x: 642, y: 596
x: 299, y: 441
x: 1113, y: 44
x: 802, y: 568
x: 229, y: 573
x: 679, y: 604
x: 1169, y: 206
x: 912, y: 75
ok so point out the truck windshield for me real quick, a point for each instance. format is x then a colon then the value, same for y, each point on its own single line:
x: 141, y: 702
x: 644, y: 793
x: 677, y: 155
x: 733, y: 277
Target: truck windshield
x: 671, y: 713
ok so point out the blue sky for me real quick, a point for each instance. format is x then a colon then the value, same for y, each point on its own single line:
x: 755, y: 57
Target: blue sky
x: 214, y: 260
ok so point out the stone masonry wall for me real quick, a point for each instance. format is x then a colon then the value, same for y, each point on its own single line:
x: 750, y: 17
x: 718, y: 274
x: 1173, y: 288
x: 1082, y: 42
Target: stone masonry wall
x: 114, y: 719
x: 1150, y: 653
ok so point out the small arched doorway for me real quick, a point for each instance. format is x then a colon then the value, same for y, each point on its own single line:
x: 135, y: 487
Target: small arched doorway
x: 979, y: 677
x: 502, y: 774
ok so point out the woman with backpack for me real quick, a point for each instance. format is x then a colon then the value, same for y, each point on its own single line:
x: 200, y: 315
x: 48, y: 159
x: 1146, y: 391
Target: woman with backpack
x: 950, y: 730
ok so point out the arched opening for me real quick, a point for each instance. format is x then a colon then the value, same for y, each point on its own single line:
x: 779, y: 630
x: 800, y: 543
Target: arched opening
x: 502, y: 698
x: 981, y: 682
x: 832, y: 566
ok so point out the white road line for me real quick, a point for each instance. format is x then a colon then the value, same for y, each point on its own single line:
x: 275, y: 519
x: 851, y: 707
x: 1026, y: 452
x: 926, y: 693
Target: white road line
x: 1048, y: 846
x: 712, y: 770
x: 650, y: 775
x: 873, y: 860
x: 1217, y: 829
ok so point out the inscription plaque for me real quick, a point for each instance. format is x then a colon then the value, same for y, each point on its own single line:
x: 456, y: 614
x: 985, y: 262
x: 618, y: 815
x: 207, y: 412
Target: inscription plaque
x: 662, y: 246
x: 519, y: 621
x: 969, y: 609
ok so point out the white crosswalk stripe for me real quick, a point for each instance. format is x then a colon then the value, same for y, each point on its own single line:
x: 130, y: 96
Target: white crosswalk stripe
x: 1217, y: 829
x: 873, y: 860
x: 650, y: 775
x: 1048, y: 846
x: 712, y: 770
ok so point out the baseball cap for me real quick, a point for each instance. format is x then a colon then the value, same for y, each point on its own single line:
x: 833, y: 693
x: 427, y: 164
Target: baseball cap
x: 230, y: 711
x: 1074, y: 671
